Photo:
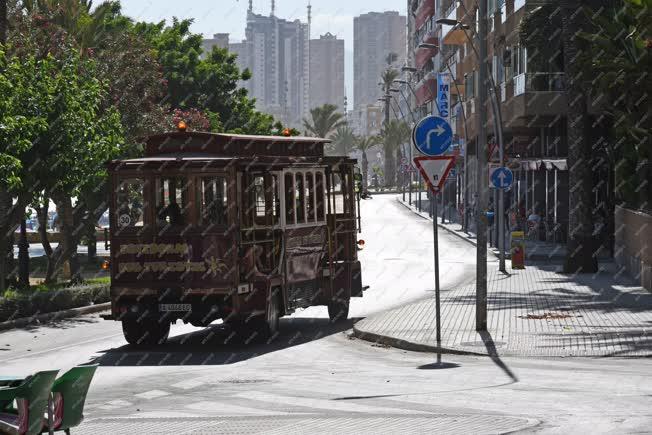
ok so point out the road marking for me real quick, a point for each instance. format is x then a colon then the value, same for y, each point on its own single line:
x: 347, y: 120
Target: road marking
x: 31, y: 354
x: 152, y: 394
x: 226, y: 409
x: 114, y: 404
x: 327, y: 404
x: 186, y: 385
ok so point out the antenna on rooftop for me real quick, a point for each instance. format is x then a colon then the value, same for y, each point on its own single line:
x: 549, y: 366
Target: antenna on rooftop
x: 273, y: 7
x: 251, y: 5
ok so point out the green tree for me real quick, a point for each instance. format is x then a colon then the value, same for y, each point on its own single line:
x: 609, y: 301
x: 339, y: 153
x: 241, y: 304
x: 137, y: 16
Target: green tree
x: 618, y: 61
x: 387, y: 78
x: 343, y: 141
x: 364, y: 144
x: 393, y: 135
x: 324, y: 120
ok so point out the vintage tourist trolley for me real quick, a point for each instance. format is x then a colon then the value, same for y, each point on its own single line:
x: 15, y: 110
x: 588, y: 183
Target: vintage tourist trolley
x: 241, y: 228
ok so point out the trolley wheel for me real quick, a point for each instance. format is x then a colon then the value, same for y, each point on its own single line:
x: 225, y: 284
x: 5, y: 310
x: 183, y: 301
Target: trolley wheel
x: 338, y: 310
x: 261, y: 328
x: 145, y: 332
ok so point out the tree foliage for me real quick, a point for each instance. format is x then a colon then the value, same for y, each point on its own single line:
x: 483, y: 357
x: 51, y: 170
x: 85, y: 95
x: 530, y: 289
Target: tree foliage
x: 324, y: 120
x: 344, y: 141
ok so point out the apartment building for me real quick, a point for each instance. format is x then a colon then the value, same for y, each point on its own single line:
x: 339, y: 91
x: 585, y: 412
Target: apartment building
x: 327, y: 71
x: 277, y: 53
x: 375, y: 36
x: 528, y: 92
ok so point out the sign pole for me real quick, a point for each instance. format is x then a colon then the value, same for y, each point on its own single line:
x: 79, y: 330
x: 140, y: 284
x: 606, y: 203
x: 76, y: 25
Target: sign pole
x: 436, y: 246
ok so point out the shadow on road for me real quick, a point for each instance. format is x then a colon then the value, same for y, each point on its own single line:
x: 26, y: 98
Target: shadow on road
x: 493, y: 354
x: 217, y: 345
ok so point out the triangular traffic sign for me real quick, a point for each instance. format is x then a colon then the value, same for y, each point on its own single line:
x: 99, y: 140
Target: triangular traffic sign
x: 435, y: 170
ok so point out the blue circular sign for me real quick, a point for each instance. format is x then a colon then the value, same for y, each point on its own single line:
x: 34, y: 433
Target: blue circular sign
x: 432, y: 135
x: 502, y: 178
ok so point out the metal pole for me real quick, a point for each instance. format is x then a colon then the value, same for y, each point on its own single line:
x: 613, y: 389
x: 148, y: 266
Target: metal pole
x: 482, y: 170
x: 437, y: 304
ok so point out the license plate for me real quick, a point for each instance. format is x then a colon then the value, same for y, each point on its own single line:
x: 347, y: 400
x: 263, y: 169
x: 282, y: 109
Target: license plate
x: 175, y: 307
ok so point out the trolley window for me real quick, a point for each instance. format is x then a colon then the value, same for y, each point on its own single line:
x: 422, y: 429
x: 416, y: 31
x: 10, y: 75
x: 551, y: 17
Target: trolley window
x: 130, y: 203
x: 319, y: 184
x: 310, y: 196
x: 172, y: 201
x: 300, y: 198
x: 289, y: 199
x: 213, y: 201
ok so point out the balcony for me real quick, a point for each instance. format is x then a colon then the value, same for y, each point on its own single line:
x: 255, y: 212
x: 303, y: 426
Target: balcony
x: 531, y: 97
x: 453, y: 35
x: 538, y: 82
x: 424, y: 12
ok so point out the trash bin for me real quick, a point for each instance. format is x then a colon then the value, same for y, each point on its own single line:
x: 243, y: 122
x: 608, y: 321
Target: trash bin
x: 517, y: 250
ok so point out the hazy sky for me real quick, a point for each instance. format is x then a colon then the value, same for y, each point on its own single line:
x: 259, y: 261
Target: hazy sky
x: 229, y: 16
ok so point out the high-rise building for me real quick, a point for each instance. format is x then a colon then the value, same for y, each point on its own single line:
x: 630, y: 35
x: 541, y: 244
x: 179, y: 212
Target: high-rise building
x: 276, y: 51
x: 218, y: 40
x: 327, y: 71
x: 376, y: 35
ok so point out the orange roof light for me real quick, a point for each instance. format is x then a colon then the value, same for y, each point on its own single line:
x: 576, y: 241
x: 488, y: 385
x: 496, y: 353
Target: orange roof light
x: 287, y: 132
x: 181, y: 126
x: 105, y: 265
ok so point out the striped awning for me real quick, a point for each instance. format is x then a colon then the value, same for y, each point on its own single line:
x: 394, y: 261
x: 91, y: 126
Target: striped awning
x: 547, y: 164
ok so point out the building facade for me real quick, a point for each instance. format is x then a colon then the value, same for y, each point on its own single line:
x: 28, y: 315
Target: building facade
x: 220, y: 40
x: 375, y: 36
x: 327, y: 71
x: 528, y: 93
x: 277, y: 53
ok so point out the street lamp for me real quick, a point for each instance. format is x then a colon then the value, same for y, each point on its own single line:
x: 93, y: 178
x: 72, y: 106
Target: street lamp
x: 482, y: 167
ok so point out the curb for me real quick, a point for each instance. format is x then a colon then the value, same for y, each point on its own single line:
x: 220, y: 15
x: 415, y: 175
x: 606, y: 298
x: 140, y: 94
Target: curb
x: 409, y: 345
x: 41, y: 318
x: 438, y: 224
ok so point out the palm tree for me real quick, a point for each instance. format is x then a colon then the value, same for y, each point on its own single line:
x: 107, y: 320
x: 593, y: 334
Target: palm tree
x: 388, y: 77
x: 325, y: 119
x: 77, y: 17
x: 394, y: 134
x: 343, y: 141
x: 364, y: 144
x: 579, y: 248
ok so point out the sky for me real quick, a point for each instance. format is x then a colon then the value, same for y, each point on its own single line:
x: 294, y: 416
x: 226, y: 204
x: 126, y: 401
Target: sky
x: 229, y: 16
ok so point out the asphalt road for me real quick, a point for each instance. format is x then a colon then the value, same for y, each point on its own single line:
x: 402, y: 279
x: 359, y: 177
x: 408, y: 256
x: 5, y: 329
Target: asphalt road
x: 315, y: 378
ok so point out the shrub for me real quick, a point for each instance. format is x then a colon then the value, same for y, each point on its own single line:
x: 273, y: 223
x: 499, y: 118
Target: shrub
x: 15, y: 304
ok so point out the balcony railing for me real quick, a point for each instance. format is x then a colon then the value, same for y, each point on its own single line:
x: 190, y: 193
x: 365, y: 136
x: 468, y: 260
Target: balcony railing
x: 538, y: 82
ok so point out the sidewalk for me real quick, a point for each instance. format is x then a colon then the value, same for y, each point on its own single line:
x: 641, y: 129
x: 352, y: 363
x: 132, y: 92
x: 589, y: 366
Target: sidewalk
x: 534, y: 250
x: 533, y: 312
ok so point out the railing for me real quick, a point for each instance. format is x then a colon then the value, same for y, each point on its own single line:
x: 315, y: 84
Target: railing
x: 538, y: 82
x: 451, y: 14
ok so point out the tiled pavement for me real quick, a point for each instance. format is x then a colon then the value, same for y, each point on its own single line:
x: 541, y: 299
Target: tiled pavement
x: 533, y: 312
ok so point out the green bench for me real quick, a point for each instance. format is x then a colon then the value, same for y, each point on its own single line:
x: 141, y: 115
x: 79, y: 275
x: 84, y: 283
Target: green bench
x: 42, y: 400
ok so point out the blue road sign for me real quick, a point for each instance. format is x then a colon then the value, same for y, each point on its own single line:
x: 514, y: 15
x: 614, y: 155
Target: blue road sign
x: 432, y: 136
x: 502, y: 178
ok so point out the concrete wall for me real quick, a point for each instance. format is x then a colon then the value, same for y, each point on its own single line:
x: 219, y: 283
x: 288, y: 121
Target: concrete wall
x: 634, y: 244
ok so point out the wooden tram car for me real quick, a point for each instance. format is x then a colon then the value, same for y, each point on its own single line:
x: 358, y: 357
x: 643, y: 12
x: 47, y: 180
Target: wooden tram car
x: 221, y: 226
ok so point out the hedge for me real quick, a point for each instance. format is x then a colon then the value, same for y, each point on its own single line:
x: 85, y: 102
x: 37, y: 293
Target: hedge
x: 16, y: 305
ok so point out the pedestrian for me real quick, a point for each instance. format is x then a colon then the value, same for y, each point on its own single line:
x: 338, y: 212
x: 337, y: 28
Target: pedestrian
x: 533, y: 222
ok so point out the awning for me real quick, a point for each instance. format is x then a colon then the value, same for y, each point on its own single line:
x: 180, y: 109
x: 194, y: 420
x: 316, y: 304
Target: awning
x: 547, y: 164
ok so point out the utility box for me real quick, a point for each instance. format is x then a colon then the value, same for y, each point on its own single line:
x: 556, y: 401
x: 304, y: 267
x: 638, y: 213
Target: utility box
x: 517, y: 250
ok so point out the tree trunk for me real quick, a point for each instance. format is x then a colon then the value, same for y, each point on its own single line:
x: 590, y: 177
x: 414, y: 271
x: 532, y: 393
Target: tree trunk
x: 365, y: 170
x: 3, y: 21
x: 92, y: 243
x: 69, y: 250
x: 390, y: 167
x: 42, y: 215
x: 23, y: 256
x: 580, y: 249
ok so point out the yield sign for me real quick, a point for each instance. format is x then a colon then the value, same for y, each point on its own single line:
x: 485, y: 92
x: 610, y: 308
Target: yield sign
x: 435, y: 170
